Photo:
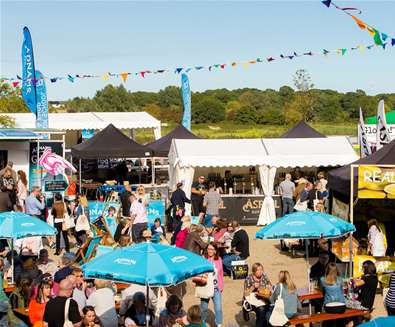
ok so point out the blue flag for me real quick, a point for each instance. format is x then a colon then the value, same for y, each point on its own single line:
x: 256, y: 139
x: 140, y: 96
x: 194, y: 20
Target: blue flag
x: 42, y: 103
x: 186, y: 99
x: 28, y: 72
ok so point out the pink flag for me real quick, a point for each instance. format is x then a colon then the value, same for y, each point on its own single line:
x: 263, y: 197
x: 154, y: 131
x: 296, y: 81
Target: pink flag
x: 53, y: 163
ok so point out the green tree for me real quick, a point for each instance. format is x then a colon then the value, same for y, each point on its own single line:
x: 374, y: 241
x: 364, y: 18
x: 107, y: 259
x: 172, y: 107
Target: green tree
x: 169, y: 96
x: 208, y: 110
x: 114, y: 99
x: 304, y: 99
x: 246, y: 115
x: 271, y: 116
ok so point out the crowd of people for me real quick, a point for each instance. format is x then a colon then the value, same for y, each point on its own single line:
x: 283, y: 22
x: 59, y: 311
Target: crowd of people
x: 57, y: 294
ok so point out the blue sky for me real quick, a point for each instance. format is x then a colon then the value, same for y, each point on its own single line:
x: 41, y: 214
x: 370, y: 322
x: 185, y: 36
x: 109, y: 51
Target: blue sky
x: 94, y: 37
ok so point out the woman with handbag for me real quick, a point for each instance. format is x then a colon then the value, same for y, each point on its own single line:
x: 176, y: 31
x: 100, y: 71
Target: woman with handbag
x: 59, y: 212
x: 286, y: 290
x: 82, y: 220
x: 211, y: 254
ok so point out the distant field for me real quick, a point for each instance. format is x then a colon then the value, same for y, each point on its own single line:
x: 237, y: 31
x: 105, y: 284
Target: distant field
x: 227, y: 130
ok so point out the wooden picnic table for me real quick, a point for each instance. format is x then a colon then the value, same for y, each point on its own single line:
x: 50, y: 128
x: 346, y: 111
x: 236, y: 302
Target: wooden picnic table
x: 306, y: 294
x: 324, y: 316
x: 22, y: 311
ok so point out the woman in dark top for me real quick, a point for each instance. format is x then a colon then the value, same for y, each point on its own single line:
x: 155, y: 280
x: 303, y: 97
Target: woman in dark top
x: 178, y: 200
x: 367, y: 284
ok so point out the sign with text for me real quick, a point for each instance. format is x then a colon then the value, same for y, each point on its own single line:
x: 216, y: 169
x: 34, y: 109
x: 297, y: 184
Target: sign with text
x: 156, y: 209
x: 96, y: 209
x: 55, y: 186
x: 376, y: 182
x: 371, y: 131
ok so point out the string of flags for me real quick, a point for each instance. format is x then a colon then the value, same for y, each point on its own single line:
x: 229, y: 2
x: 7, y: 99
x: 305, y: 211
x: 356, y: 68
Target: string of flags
x: 380, y: 40
x: 379, y: 37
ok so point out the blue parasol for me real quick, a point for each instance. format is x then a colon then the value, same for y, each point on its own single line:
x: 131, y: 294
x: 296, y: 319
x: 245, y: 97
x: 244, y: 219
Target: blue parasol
x: 306, y: 225
x: 15, y: 225
x: 147, y: 264
x: 380, y: 322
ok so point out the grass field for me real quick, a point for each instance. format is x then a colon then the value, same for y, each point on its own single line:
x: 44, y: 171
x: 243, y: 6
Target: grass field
x: 229, y: 130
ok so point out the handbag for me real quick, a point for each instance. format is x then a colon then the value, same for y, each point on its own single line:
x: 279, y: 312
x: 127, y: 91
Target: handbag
x: 67, y: 222
x: 67, y: 322
x: 82, y: 222
x: 300, y: 206
x: 252, y: 301
x: 206, y: 291
x: 315, y: 201
x: 200, y: 280
x: 278, y: 317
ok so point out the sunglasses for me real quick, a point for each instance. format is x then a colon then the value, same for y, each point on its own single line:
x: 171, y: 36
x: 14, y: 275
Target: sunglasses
x: 47, y: 279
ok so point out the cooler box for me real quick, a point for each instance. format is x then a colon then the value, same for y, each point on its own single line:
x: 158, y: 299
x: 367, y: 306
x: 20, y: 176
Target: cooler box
x: 239, y: 269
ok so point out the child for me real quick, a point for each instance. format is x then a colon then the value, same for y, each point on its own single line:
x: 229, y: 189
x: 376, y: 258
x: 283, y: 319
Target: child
x: 193, y: 317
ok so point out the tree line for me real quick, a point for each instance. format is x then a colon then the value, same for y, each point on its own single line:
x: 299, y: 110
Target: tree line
x: 244, y: 106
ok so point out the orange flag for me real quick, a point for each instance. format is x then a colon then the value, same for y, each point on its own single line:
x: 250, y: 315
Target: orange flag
x: 124, y: 76
x: 360, y: 23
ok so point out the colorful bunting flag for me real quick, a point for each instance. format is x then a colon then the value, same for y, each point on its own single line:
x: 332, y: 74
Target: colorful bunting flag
x: 70, y: 78
x: 392, y: 41
x: 343, y: 51
x: 105, y: 77
x: 15, y: 84
x: 124, y: 76
x: 327, y: 3
x: 360, y: 23
x: 377, y: 38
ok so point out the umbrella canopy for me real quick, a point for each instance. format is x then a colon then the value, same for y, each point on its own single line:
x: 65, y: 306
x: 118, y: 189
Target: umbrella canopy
x: 380, y: 322
x: 147, y: 264
x: 20, y: 225
x: 306, y: 225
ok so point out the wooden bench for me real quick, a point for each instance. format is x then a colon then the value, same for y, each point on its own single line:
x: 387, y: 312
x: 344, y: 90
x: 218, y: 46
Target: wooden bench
x: 323, y: 316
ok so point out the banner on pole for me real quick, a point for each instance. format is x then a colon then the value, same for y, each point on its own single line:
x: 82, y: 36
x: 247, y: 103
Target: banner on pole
x: 382, y: 135
x: 376, y: 182
x: 42, y: 103
x: 362, y: 137
x: 186, y: 100
x: 28, y: 72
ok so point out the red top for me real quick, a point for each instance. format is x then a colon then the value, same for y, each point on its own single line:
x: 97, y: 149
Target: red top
x: 36, y: 311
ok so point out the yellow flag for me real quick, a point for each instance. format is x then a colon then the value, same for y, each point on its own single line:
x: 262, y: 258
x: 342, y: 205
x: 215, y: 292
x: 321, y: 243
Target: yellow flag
x: 105, y: 77
x: 371, y: 30
x: 245, y: 65
x: 124, y: 76
x: 361, y: 47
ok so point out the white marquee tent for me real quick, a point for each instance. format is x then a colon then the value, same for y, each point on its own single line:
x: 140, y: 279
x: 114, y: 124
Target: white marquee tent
x: 91, y: 120
x: 268, y: 154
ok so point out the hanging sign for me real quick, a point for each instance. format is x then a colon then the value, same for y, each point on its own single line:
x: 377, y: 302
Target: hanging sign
x: 376, y: 182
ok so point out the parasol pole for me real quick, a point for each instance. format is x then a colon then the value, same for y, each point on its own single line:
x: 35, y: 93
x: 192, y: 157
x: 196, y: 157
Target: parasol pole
x: 351, y: 212
x: 147, y: 316
x: 307, y: 263
x: 12, y: 261
x: 80, y: 175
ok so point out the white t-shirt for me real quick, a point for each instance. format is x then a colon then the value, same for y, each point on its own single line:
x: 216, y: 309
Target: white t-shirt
x: 103, y: 302
x: 376, y: 240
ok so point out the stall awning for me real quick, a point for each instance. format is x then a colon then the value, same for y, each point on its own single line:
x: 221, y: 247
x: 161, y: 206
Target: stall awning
x: 307, y: 152
x: 302, y: 130
x: 217, y: 153
x: 89, y: 120
x: 109, y: 143
x: 18, y: 134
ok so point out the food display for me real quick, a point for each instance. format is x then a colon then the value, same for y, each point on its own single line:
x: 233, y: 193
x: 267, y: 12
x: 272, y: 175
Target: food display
x: 341, y: 248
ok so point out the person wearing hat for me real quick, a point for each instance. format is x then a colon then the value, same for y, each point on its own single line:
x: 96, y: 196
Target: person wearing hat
x: 178, y: 200
x: 146, y: 235
x: 45, y: 264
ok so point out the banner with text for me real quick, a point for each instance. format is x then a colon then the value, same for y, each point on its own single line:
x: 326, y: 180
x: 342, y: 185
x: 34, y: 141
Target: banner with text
x: 376, y: 182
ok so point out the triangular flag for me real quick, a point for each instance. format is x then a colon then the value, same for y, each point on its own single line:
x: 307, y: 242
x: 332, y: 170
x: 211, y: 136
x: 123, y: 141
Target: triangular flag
x: 188, y: 70
x: 178, y: 70
x: 369, y: 47
x: 384, y: 36
x: 361, y: 47
x: 199, y: 67
x: 291, y: 57
x: 327, y: 3
x: 105, y: 77
x: 142, y: 74
x: 18, y: 77
x: 259, y: 60
x: 15, y: 84
x: 70, y: 78
x: 209, y: 68
x: 392, y: 42
x: 252, y: 62
x: 295, y: 54
x: 360, y: 23
x: 325, y: 52
x: 234, y: 64
x: 384, y: 44
x: 371, y: 30
x: 160, y: 71
x: 217, y: 65
x: 282, y: 56
x: 377, y: 38
x: 245, y: 65
x: 270, y: 59
x: 124, y: 76
x: 308, y: 53
x: 53, y: 80
x: 343, y: 51
x: 222, y: 66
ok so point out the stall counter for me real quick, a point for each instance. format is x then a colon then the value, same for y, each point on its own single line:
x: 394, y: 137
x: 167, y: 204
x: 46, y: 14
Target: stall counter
x: 245, y: 208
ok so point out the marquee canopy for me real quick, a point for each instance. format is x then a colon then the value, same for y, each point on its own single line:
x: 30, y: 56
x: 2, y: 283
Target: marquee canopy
x: 302, y: 130
x: 298, y: 152
x: 90, y: 120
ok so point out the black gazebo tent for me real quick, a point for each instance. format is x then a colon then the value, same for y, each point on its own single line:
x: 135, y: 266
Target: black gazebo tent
x: 339, y: 179
x: 161, y: 147
x: 302, y: 130
x: 110, y: 143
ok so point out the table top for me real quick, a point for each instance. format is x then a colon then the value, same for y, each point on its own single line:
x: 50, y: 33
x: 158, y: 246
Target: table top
x: 306, y: 294
x: 8, y: 288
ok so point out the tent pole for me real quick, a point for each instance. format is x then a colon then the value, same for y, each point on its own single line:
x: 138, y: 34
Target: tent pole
x: 350, y: 255
x: 146, y: 307
x: 351, y: 212
x: 153, y: 170
x: 306, y: 243
x: 80, y: 175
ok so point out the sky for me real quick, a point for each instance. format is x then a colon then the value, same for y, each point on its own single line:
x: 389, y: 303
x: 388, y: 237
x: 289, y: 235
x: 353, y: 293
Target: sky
x: 95, y: 37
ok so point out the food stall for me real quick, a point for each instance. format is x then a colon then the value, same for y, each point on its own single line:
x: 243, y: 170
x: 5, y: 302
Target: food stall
x: 248, y: 169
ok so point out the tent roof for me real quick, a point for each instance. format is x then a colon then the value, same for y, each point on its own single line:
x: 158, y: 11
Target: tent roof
x: 331, y: 151
x: 18, y: 134
x: 161, y: 147
x: 109, y: 143
x: 302, y: 130
x: 389, y: 116
x: 88, y: 120
x: 339, y: 179
x: 310, y: 152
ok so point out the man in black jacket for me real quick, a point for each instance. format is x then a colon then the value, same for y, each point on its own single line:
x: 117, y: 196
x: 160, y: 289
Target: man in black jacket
x: 240, y: 247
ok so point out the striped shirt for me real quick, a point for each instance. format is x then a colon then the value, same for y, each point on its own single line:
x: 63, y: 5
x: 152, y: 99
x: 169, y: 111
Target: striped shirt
x: 390, y: 298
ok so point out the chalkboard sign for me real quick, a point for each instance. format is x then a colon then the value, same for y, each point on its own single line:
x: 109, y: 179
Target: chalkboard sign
x: 55, y: 186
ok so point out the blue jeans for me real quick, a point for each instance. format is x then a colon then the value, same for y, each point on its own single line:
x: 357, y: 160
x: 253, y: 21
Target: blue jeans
x: 217, y: 299
x: 288, y: 206
x: 227, y: 262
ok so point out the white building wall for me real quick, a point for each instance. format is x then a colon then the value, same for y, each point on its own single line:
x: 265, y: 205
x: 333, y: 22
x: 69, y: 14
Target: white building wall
x: 18, y: 153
